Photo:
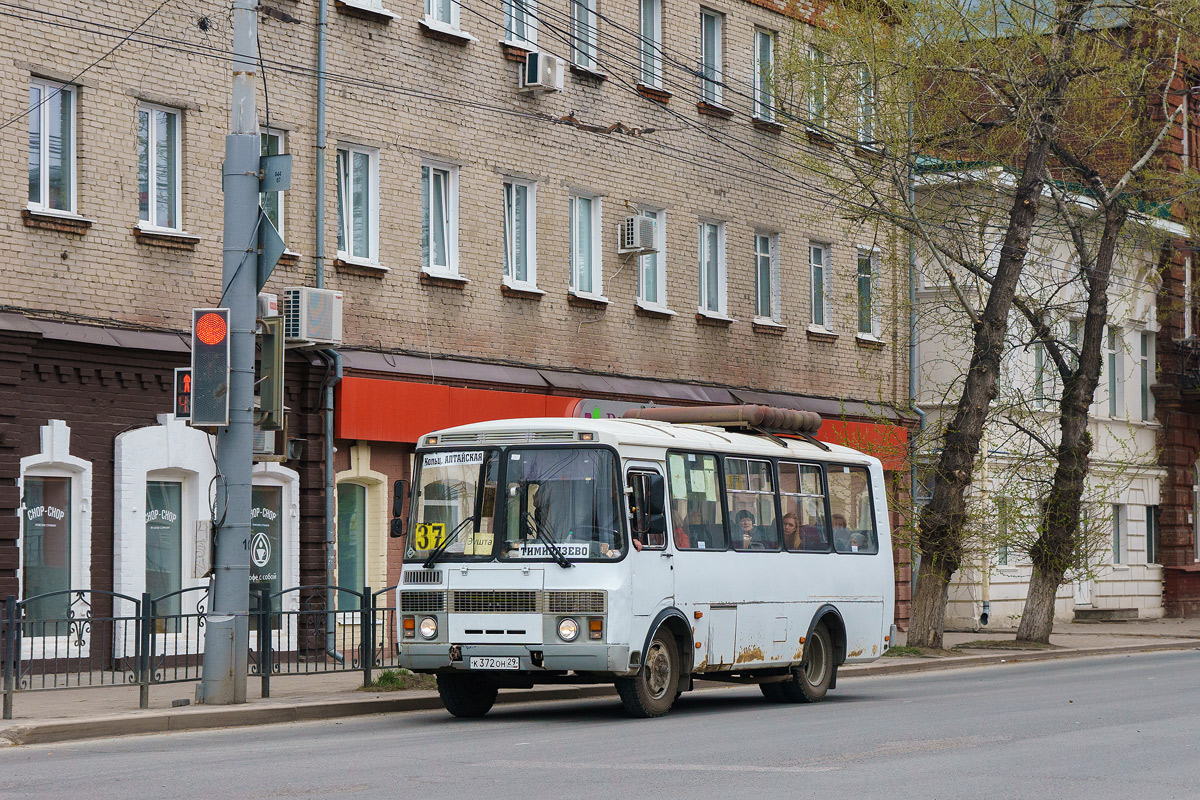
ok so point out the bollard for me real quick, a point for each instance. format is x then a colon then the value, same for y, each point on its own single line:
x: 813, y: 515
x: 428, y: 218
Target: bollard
x: 145, y: 636
x: 9, y: 643
x: 366, y: 635
x: 264, y: 640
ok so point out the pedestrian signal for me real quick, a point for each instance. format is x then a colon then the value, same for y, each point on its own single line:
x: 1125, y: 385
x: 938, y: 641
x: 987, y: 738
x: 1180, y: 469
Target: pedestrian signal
x: 210, y: 367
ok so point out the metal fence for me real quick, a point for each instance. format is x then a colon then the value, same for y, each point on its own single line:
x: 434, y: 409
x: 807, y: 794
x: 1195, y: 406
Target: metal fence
x: 82, y: 638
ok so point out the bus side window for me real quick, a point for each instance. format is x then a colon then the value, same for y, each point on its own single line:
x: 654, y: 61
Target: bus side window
x: 851, y: 511
x: 805, y: 528
x: 641, y: 505
x: 697, y: 522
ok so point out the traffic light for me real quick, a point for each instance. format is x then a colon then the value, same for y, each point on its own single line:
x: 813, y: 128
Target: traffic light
x: 270, y: 376
x: 210, y: 366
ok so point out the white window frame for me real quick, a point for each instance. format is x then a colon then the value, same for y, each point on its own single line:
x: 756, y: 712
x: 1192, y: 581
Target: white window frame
x: 375, y: 535
x: 433, y: 15
x: 451, y: 216
x: 372, y: 259
x: 43, y: 113
x: 660, y: 256
x: 764, y: 91
x: 584, y: 32
x: 280, y: 196
x: 1114, y: 371
x: 868, y: 117
x: 595, y: 256
x: 529, y: 11
x: 1145, y: 364
x: 1189, y: 303
x: 711, y: 64
x: 820, y: 300
x: 510, y: 278
x: 772, y: 255
x: 874, y: 310
x: 151, y: 149
x: 1119, y: 545
x: 721, y: 311
x: 650, y: 49
x: 818, y: 90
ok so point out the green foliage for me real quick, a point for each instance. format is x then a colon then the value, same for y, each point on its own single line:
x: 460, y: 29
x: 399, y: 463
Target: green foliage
x: 393, y: 680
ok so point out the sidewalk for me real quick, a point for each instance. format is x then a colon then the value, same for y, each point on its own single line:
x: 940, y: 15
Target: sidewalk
x: 72, y: 714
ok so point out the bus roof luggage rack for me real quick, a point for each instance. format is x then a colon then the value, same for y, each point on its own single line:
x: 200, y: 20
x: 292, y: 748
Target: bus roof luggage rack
x: 767, y: 420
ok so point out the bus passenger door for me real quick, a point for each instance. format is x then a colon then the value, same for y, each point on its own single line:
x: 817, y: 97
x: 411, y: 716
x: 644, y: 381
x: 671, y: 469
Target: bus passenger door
x: 652, y: 568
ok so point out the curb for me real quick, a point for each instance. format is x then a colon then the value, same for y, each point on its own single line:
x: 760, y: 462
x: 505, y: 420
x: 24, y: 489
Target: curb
x: 200, y: 718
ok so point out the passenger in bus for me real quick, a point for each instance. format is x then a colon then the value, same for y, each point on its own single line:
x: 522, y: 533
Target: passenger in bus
x: 791, y: 531
x: 678, y: 514
x: 858, y: 542
x: 752, y: 537
x: 841, y: 534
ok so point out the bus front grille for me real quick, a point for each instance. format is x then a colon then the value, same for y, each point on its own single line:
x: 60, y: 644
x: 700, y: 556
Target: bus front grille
x: 575, y: 602
x: 491, y: 601
x: 423, y: 576
x: 422, y: 602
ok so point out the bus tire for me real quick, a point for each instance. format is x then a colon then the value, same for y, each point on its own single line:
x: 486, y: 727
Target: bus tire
x: 772, y: 691
x: 652, y: 692
x: 810, y: 681
x: 466, y: 696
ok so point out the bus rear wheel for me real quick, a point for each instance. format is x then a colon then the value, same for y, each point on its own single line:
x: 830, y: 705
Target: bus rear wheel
x: 466, y: 696
x: 652, y: 692
x: 772, y: 691
x: 810, y: 681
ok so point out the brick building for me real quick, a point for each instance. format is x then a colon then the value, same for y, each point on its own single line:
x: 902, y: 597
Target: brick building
x: 471, y: 226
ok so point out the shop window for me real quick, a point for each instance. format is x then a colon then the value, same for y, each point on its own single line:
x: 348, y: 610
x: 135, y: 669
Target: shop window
x: 164, y: 549
x: 351, y: 537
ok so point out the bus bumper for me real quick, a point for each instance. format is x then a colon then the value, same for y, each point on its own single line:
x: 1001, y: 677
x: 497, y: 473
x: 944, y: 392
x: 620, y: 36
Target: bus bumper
x: 576, y: 657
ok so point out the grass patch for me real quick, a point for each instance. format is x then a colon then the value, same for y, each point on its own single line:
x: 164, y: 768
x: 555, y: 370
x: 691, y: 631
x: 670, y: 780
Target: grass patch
x: 395, y: 680
x: 1004, y: 644
x: 903, y: 650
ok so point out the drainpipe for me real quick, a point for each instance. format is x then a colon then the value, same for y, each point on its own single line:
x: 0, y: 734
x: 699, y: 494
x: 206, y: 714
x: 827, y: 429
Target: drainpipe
x: 331, y: 357
x: 913, y: 356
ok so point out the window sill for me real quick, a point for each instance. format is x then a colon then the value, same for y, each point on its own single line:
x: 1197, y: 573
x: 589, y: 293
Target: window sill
x: 652, y: 311
x: 171, y: 240
x: 517, y: 53
x: 868, y: 151
x: 361, y: 10
x: 289, y: 259
x: 654, y: 93
x: 817, y: 137
x: 55, y: 221
x: 584, y: 300
x: 769, y: 326
x: 714, y: 110
x: 359, y: 266
x: 444, y: 280
x: 767, y: 125
x: 587, y: 73
x: 818, y: 333
x: 869, y: 340
x: 527, y: 292
x: 716, y: 320
x: 445, y: 33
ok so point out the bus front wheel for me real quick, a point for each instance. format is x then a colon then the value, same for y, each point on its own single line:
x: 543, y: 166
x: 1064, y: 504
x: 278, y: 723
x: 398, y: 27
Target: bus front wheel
x: 652, y: 692
x: 810, y: 681
x: 466, y: 696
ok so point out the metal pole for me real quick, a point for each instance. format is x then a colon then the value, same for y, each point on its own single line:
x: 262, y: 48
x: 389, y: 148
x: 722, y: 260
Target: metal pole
x: 10, y: 652
x: 226, y: 644
x: 366, y: 635
x: 145, y: 636
x: 265, y: 656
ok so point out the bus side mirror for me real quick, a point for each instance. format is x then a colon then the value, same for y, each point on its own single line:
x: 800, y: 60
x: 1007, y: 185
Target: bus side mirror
x: 656, y: 511
x: 399, y: 512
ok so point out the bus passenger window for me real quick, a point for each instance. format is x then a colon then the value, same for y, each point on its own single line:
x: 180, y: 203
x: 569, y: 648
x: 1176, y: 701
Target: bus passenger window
x: 850, y: 510
x: 697, y: 520
x: 751, y: 491
x: 804, y: 524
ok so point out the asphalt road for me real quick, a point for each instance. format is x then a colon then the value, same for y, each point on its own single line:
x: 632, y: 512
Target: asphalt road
x: 1123, y: 727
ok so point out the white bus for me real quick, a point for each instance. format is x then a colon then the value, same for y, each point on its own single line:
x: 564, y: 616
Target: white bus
x: 641, y: 553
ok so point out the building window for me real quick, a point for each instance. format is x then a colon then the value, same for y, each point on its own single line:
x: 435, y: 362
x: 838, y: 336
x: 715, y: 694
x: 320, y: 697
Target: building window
x: 818, y: 92
x: 1196, y: 511
x: 1152, y: 535
x: 866, y: 106
x: 1003, y: 527
x: 585, y: 245
x: 1191, y: 140
x: 519, y: 21
x: 358, y: 204
x: 766, y: 276
x: 712, y: 268
x: 651, y: 43
x: 652, y: 267
x: 272, y: 202
x: 764, y: 74
x: 442, y: 11
x: 51, y: 147
x: 520, y: 233
x: 1113, y: 366
x: 439, y: 218
x: 583, y: 33
x: 158, y: 167
x: 164, y: 548
x: 351, y: 538
x: 1146, y: 374
x: 1118, y: 534
x: 711, y: 24
x: 869, y: 323
x: 818, y: 260
x: 46, y: 548
x: 1039, y: 375
x: 1189, y: 303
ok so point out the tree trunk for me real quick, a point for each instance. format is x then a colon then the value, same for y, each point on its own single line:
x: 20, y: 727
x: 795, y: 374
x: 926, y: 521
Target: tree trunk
x: 927, y: 615
x: 1055, y: 549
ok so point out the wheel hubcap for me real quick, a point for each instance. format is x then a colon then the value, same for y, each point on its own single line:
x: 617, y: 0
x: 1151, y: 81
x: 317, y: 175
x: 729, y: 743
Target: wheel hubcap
x: 658, y: 670
x: 814, y: 664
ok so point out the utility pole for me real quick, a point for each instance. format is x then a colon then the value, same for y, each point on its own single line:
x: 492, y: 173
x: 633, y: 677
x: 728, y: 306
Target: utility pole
x: 226, y: 640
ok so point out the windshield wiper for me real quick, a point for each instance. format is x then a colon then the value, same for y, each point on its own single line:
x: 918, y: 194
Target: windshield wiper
x: 441, y: 548
x: 555, y: 552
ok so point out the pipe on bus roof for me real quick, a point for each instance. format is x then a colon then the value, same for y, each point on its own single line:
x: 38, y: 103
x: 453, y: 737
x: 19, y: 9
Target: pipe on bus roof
x: 769, y: 417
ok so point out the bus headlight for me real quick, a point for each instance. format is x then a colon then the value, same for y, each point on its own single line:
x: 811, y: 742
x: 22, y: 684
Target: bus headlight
x: 429, y: 627
x: 568, y: 629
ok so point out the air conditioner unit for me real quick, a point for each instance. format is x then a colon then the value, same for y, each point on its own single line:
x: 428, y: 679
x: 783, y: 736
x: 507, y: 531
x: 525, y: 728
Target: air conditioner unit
x: 638, y: 234
x: 541, y: 73
x: 312, y: 316
x: 268, y: 305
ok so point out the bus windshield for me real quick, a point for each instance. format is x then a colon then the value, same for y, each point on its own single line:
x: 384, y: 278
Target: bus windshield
x: 570, y: 496
x: 455, y: 488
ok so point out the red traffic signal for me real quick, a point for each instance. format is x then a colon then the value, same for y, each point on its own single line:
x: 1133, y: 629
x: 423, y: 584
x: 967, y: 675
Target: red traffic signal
x: 210, y: 366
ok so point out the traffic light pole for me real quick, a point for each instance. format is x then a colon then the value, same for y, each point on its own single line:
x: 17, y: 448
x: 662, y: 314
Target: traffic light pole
x: 226, y: 644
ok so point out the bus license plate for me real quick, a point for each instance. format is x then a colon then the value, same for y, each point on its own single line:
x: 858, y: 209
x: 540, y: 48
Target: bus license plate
x: 493, y: 662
